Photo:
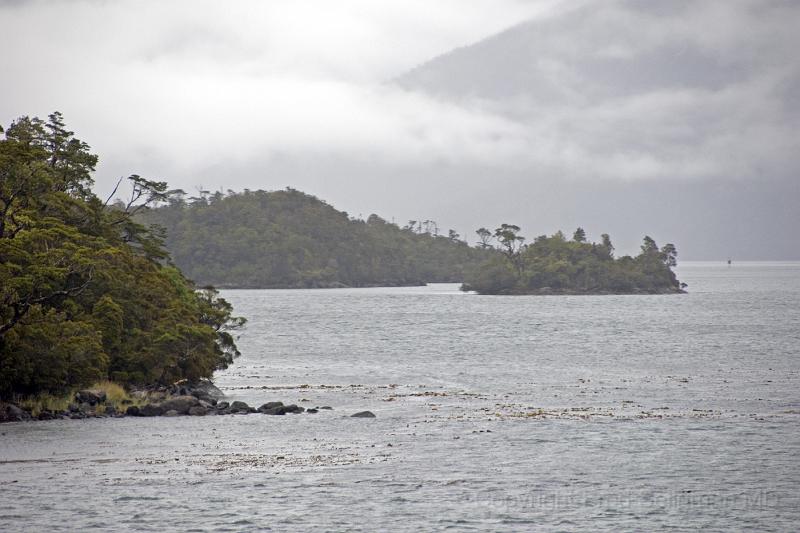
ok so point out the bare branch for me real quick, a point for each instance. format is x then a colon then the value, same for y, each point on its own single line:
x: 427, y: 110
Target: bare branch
x: 112, y: 193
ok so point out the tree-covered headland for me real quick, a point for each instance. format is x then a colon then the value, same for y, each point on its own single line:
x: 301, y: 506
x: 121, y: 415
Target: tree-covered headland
x: 289, y: 239
x: 557, y: 265
x: 87, y: 292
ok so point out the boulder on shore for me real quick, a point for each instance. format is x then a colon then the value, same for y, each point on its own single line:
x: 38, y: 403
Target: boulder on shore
x: 277, y: 408
x: 181, y: 404
x: 90, y: 396
x: 269, y: 406
x: 239, y: 407
x: 202, y: 389
x: 205, y: 388
x: 12, y: 413
x: 151, y: 409
x: 198, y: 410
x: 363, y: 414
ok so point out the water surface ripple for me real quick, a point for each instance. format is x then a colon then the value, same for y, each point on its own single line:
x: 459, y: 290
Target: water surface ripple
x: 494, y: 413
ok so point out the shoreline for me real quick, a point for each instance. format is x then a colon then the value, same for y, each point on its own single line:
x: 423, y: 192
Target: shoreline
x: 202, y: 398
x: 330, y: 285
x: 547, y: 291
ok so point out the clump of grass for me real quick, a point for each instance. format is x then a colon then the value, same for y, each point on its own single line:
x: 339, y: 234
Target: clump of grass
x: 115, y: 393
x: 46, y: 402
x: 117, y: 396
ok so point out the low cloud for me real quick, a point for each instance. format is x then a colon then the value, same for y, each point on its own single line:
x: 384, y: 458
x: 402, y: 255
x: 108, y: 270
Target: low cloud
x: 615, y: 115
x: 639, y: 90
x: 173, y: 87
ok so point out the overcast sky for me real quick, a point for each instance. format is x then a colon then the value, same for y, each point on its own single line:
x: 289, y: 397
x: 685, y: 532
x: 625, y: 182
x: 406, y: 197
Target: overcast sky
x: 678, y: 119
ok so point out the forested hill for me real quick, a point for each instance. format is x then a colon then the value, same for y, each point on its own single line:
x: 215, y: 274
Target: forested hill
x: 86, y: 293
x: 286, y: 238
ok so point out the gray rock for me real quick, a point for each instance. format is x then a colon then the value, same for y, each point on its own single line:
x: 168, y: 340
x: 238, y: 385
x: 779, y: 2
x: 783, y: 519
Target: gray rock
x: 171, y: 412
x: 326, y: 407
x: 12, y: 413
x: 294, y: 409
x: 198, y: 410
x: 222, y: 406
x: 240, y: 406
x: 273, y: 411
x: 182, y: 404
x: 312, y: 411
x: 132, y: 410
x: 90, y: 396
x: 269, y: 406
x: 200, y: 395
x: 151, y: 409
x: 206, y: 388
x: 363, y: 414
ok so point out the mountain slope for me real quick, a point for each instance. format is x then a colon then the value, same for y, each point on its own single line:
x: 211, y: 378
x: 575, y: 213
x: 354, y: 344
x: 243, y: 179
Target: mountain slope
x: 633, y: 89
x: 290, y: 239
x: 678, y: 118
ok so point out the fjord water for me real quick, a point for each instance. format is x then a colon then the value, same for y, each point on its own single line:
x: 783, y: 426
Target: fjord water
x: 573, y: 413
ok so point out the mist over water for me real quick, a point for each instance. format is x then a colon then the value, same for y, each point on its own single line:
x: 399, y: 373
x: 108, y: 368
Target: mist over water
x: 493, y: 413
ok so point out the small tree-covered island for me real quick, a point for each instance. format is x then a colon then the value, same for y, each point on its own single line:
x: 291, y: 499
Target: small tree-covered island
x: 557, y: 265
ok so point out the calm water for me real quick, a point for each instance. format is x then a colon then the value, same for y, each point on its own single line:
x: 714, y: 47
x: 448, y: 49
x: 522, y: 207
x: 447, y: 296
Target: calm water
x: 493, y: 413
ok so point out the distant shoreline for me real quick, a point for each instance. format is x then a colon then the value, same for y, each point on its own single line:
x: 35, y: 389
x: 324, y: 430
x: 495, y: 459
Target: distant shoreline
x: 331, y: 285
x: 552, y: 292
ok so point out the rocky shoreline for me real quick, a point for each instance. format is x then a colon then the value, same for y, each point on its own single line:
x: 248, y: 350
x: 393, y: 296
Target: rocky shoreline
x: 548, y: 291
x: 202, y: 398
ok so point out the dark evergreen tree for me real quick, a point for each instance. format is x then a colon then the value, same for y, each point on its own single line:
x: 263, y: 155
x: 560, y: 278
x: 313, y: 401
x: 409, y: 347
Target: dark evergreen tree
x: 86, y: 291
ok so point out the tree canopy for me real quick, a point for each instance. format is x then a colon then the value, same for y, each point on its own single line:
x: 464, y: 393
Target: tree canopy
x: 87, y: 292
x: 555, y: 265
x: 289, y: 239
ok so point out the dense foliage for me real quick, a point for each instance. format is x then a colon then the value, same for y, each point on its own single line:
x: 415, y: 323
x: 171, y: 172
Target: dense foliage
x: 87, y: 292
x: 556, y: 265
x: 290, y: 239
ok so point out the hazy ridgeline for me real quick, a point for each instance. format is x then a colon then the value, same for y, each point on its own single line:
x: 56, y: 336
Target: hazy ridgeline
x: 288, y: 239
